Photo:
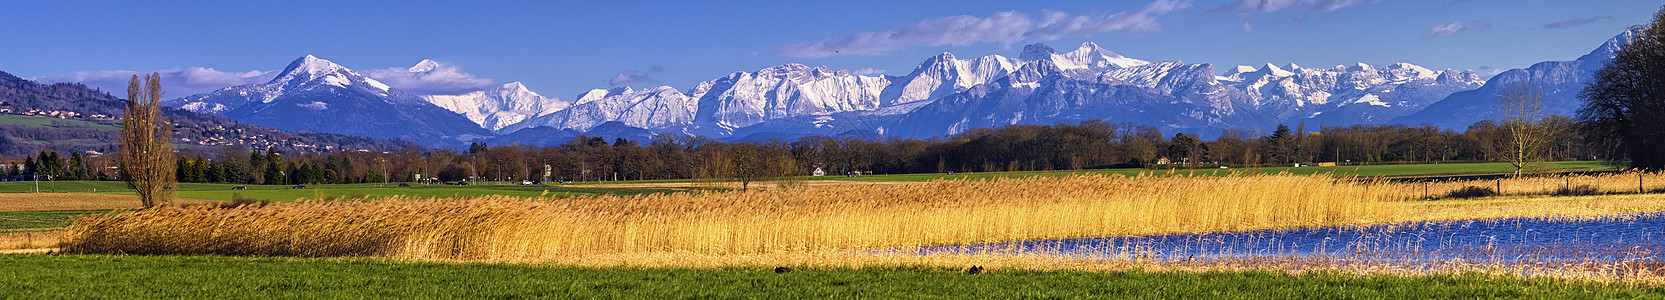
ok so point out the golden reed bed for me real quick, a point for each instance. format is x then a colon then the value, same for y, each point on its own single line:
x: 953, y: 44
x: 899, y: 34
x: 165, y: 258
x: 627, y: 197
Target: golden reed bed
x: 810, y: 219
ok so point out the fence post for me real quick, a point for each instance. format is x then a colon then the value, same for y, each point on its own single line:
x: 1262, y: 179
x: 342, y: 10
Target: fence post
x: 1500, y: 186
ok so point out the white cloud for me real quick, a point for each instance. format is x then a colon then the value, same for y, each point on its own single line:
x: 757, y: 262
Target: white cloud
x: 431, y: 78
x: 869, y: 71
x: 1456, y: 27
x: 1007, y: 27
x: 629, y: 77
x: 176, y: 83
x: 1486, y: 72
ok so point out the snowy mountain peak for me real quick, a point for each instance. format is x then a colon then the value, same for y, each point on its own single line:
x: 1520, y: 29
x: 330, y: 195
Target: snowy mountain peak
x: 424, y: 66
x: 1036, y: 51
x: 939, y: 58
x: 1411, y: 71
x: 1099, y: 59
x: 515, y: 86
x: 1091, y: 47
x: 306, y: 68
x: 1360, y: 67
x: 1275, y: 71
x: 1612, y: 46
x: 1292, y: 67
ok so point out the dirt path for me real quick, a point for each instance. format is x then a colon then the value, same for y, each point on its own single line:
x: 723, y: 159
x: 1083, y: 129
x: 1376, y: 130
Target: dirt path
x: 78, y: 201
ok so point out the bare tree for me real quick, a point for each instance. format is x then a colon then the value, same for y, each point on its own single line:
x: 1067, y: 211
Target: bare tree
x: 1623, y: 109
x: 146, y: 156
x: 1520, y: 113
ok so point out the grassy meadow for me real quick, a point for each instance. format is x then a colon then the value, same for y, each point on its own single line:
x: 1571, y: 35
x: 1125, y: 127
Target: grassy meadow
x: 99, y: 276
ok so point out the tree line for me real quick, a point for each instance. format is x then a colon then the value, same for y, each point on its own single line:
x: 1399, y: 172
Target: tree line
x: 1085, y: 145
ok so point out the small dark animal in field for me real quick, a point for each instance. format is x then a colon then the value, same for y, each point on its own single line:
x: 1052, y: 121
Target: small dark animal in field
x: 404, y: 185
x: 974, y: 270
x: 782, y: 270
x: 239, y: 187
x: 298, y: 187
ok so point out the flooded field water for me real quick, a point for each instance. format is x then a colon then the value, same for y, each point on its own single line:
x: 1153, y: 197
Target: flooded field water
x: 1624, y: 239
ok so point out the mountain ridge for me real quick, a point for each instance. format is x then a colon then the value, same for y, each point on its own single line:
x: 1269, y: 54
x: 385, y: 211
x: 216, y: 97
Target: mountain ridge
x: 314, y: 94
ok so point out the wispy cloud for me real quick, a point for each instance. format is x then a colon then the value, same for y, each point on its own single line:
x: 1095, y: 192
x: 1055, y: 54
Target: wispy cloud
x: 868, y: 71
x: 631, y: 76
x: 1455, y: 27
x: 1574, y: 22
x: 1250, y: 7
x: 175, y: 82
x: 1008, y: 27
x: 431, y: 78
x: 1486, y: 72
x: 1247, y: 8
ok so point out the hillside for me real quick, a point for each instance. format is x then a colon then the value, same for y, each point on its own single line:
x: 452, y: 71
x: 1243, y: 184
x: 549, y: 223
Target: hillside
x: 71, y: 117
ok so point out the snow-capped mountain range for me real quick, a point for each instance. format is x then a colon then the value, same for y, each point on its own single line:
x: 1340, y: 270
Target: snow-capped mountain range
x: 1035, y: 88
x: 314, y: 94
x: 943, y: 95
x: 500, y: 106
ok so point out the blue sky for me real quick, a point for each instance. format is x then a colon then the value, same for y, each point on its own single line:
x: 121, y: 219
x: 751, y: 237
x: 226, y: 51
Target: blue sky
x: 562, y: 48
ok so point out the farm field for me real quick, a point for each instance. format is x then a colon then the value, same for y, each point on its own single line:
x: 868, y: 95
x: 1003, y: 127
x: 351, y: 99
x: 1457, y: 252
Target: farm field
x: 43, y: 276
x: 649, y: 230
x: 283, y: 193
x: 42, y: 121
x: 214, y: 190
x: 23, y: 221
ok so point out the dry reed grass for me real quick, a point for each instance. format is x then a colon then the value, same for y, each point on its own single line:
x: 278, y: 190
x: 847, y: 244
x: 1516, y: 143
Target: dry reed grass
x: 1566, y: 185
x: 79, y: 201
x: 29, y: 240
x: 819, y: 225
x: 813, y: 218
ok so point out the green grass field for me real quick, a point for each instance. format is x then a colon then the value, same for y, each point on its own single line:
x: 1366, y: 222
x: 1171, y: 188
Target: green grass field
x: 78, y: 276
x: 376, y: 190
x: 40, y: 121
x: 219, y: 191
x: 17, y: 221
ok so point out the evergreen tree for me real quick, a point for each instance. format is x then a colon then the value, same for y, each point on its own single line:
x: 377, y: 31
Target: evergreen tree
x: 30, y: 166
x: 347, y: 170
x: 78, y: 167
x: 1282, y: 144
x: 274, y: 168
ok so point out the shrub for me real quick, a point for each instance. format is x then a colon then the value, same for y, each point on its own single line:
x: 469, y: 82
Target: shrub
x: 1576, y: 190
x: 237, y: 199
x: 1472, y: 192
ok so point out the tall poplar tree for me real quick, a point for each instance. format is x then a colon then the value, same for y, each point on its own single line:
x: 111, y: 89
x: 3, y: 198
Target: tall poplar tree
x: 146, y: 156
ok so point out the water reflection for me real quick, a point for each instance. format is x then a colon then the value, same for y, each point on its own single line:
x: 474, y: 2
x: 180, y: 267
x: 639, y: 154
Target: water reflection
x: 1619, y: 239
